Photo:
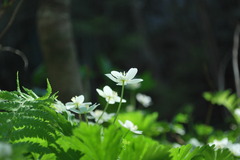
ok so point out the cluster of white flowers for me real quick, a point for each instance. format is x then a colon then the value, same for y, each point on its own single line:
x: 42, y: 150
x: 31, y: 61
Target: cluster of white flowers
x: 77, y: 104
x: 225, y: 143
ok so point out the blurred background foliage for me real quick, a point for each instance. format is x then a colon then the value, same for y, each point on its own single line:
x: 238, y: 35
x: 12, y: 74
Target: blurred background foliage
x: 182, y: 48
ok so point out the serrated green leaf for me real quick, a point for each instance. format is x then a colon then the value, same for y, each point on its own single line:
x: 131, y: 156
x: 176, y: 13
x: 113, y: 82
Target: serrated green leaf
x: 30, y: 93
x: 8, y: 96
x: 49, y: 92
x: 93, y: 141
x: 142, y: 148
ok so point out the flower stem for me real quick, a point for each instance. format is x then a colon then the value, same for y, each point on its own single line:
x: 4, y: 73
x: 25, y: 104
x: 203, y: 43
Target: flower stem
x: 80, y: 117
x: 85, y: 115
x: 120, y: 103
x: 105, y: 109
x: 125, y: 134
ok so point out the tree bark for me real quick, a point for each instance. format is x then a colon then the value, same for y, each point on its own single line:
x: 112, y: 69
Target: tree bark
x: 57, y: 44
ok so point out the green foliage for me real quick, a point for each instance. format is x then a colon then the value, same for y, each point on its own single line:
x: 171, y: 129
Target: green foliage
x: 32, y: 129
x: 143, y: 148
x: 203, y: 130
x: 184, y: 152
x: 94, y: 142
x: 224, y: 98
x: 181, y: 118
x: 30, y: 120
x: 200, y: 153
x: 220, y: 154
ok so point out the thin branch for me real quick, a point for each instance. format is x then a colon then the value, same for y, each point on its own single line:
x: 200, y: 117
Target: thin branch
x: 235, y: 59
x: 11, y: 19
x: 17, y: 52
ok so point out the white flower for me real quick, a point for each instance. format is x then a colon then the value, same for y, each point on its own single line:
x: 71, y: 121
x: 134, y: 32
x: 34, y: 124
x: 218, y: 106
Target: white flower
x: 124, y: 78
x: 176, y: 145
x: 84, y: 109
x: 77, y: 102
x: 105, y: 117
x: 129, y: 125
x: 195, y: 142
x: 110, y: 95
x: 79, y: 107
x: 235, y: 149
x: 59, y: 107
x: 220, y: 144
x: 179, y: 130
x: 237, y: 112
x: 145, y: 100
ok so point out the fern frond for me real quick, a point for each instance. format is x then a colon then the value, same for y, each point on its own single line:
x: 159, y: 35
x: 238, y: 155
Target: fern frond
x: 30, y: 93
x: 9, y: 105
x: 9, y: 96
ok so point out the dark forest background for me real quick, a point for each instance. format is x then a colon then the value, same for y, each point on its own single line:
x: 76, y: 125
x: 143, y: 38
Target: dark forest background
x: 182, y: 48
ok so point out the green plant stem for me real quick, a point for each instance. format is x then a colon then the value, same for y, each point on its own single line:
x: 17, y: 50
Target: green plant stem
x: 125, y: 134
x: 120, y: 103
x: 105, y: 109
x: 80, y: 117
x: 209, y: 114
x: 85, y: 115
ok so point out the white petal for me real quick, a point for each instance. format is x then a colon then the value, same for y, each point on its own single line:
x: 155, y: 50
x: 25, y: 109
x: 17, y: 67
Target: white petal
x: 116, y: 74
x: 131, y: 73
x: 111, y: 101
x: 101, y: 93
x: 133, y: 81
x: 137, y: 132
x: 107, y: 90
x: 128, y: 124
x: 80, y: 99
x: 111, y: 77
x: 124, y: 101
x: 121, y: 123
x: 121, y: 83
x: 70, y: 105
x: 117, y: 99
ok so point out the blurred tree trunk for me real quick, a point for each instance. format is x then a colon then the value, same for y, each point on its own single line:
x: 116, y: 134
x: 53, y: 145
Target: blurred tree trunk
x: 210, y: 45
x: 56, y: 39
x: 145, y: 49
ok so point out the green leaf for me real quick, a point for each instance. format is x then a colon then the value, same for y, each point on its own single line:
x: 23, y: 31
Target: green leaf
x: 220, y: 154
x: 30, y: 93
x: 9, y: 96
x: 49, y: 91
x: 203, y: 130
x: 143, y: 148
x: 94, y: 142
x: 184, y: 152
